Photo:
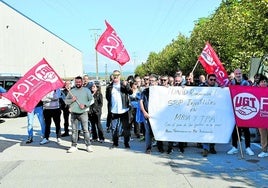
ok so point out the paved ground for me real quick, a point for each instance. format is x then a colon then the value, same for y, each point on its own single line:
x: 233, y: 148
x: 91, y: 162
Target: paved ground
x: 32, y: 165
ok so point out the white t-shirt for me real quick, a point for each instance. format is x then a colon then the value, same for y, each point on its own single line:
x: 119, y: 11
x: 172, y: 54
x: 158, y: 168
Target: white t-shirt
x: 117, y: 107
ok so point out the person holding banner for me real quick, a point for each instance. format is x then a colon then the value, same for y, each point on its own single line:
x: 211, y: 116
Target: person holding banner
x: 117, y: 95
x: 144, y: 104
x: 238, y: 80
x: 211, y: 82
x: 79, y: 98
x: 263, y: 131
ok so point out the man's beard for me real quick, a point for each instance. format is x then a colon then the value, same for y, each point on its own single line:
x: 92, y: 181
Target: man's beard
x: 78, y: 86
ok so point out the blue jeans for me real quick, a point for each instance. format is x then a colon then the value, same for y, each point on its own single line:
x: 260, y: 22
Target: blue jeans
x: 30, y: 117
x: 82, y: 119
x: 120, y: 127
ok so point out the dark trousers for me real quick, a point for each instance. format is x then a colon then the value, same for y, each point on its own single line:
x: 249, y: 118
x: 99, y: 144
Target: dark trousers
x: 54, y: 114
x: 108, y: 120
x: 66, y: 114
x: 96, y: 128
x: 246, y: 134
x: 120, y: 126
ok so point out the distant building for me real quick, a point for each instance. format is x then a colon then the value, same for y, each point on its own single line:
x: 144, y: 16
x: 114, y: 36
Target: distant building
x: 23, y: 43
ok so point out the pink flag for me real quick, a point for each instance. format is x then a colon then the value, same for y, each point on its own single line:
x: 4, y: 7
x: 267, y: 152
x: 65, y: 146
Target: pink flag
x: 213, y: 65
x: 34, y: 85
x: 111, y: 46
x: 250, y: 106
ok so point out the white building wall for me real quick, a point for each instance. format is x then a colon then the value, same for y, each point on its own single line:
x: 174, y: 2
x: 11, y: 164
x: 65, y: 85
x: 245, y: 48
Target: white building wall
x: 23, y: 43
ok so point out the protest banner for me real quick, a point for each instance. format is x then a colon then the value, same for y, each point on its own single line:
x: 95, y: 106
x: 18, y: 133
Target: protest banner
x: 191, y: 114
x: 250, y: 106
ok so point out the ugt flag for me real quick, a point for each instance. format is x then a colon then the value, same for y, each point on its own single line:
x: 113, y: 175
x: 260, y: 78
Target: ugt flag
x: 250, y: 106
x: 34, y: 85
x: 213, y: 65
x: 111, y: 46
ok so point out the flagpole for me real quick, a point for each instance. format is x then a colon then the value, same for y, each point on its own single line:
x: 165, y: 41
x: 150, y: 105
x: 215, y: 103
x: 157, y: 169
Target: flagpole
x: 74, y: 96
x: 195, y: 66
x: 239, y: 141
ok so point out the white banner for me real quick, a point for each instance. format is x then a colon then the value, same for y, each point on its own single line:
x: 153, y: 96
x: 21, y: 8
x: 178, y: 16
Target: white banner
x: 191, y: 114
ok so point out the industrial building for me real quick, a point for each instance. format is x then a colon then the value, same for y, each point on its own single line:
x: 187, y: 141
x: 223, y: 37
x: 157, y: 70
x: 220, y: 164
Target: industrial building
x: 23, y: 43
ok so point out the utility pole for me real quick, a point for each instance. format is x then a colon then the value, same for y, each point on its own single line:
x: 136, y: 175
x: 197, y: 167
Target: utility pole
x: 96, y: 53
x: 106, y: 73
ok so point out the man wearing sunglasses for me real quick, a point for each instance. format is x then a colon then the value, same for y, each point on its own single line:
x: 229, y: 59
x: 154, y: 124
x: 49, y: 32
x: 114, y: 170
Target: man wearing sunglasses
x: 117, y: 95
x: 211, y: 82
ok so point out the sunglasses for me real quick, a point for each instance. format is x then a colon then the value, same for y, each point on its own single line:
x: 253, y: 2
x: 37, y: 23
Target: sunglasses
x: 212, y: 79
x: 163, y: 80
x: 146, y: 78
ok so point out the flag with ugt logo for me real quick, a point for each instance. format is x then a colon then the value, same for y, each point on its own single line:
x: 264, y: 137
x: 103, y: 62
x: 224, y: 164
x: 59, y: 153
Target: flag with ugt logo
x: 34, y: 85
x: 111, y: 46
x: 250, y: 106
x: 213, y: 65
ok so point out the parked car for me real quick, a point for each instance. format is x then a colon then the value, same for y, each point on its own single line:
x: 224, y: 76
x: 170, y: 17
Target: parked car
x: 7, y: 82
x: 5, y: 106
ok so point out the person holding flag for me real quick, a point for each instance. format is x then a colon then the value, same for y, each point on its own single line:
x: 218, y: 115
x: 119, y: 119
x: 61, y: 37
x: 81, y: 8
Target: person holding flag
x: 79, y: 99
x: 238, y: 80
x: 38, y: 110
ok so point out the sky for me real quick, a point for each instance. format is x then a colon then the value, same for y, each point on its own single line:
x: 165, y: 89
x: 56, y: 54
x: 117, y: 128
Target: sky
x: 144, y: 26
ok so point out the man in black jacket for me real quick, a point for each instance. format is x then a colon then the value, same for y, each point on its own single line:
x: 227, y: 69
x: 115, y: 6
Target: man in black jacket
x: 117, y: 95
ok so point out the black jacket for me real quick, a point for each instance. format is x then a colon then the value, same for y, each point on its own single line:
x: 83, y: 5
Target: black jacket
x: 96, y: 107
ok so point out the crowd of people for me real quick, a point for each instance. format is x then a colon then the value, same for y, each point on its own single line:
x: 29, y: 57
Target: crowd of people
x: 127, y: 104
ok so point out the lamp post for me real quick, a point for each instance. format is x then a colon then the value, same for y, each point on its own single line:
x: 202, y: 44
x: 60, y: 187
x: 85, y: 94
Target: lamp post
x: 96, y: 54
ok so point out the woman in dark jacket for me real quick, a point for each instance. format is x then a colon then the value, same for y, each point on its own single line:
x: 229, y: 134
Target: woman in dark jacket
x: 95, y: 114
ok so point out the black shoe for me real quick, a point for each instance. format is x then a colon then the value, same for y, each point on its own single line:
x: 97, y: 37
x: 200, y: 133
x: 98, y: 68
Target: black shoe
x: 182, y: 150
x: 212, y: 150
x: 205, y: 153
x: 65, y: 134
x: 114, y: 146
x: 169, y: 151
x: 127, y: 145
x: 161, y: 150
x: 29, y: 140
x: 148, y: 151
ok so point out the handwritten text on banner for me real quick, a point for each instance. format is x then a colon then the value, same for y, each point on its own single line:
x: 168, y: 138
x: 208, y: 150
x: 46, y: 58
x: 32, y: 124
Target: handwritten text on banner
x: 191, y: 114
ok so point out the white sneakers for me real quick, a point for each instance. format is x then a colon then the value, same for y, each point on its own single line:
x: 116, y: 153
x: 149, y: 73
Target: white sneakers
x: 263, y: 154
x: 89, y: 149
x: 44, y: 141
x: 74, y: 149
x: 59, y: 140
x: 234, y: 150
x: 249, y: 151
